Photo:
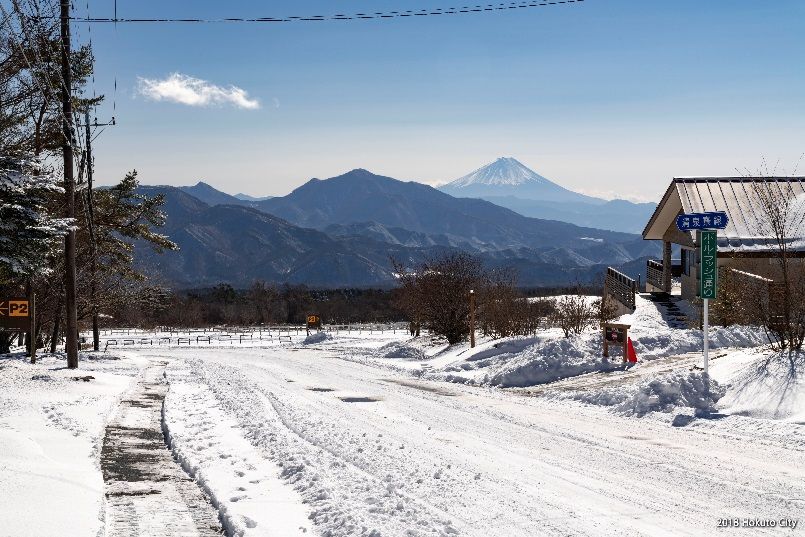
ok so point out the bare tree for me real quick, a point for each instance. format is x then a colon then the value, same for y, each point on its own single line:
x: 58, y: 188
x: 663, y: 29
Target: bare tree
x: 502, y: 309
x: 436, y: 292
x: 605, y: 308
x: 781, y: 222
x: 574, y: 313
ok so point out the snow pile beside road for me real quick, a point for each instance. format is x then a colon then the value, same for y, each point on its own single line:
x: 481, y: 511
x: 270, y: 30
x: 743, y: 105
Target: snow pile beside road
x: 667, y: 341
x: 653, y: 337
x: 660, y: 394
x: 551, y: 359
x: 521, y: 362
x: 555, y: 358
x: 769, y: 385
x: 318, y: 337
x: 400, y: 349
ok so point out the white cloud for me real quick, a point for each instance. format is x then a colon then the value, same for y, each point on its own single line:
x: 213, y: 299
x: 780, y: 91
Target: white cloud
x: 183, y: 89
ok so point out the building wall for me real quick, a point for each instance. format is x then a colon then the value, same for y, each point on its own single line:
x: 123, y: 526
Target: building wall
x: 690, y: 273
x: 763, y: 266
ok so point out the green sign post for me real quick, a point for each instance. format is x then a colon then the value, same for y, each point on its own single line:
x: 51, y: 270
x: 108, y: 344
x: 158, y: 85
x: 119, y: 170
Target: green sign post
x: 708, y: 282
x: 708, y: 268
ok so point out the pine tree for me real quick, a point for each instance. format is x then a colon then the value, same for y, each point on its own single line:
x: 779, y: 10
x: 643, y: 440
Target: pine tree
x: 28, y: 232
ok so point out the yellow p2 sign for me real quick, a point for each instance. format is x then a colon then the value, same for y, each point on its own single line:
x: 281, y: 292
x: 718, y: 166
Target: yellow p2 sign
x: 15, y: 313
x: 18, y: 308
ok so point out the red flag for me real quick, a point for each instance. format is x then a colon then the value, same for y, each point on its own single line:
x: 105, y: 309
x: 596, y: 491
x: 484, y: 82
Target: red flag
x: 631, y: 354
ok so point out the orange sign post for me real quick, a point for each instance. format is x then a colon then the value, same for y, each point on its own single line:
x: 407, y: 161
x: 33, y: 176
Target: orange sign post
x: 17, y: 315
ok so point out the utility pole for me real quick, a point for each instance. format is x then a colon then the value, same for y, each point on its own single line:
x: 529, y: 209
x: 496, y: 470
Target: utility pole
x: 71, y: 345
x: 90, y: 163
x: 472, y: 319
x: 91, y: 219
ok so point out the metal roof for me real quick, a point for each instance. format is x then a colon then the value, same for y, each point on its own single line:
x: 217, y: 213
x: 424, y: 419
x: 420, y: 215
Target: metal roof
x: 736, y: 196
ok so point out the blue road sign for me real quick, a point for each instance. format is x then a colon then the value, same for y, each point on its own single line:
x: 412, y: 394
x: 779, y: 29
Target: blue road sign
x: 693, y: 221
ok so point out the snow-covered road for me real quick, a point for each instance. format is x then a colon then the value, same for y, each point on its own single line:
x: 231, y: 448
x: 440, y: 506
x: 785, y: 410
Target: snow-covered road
x: 365, y: 450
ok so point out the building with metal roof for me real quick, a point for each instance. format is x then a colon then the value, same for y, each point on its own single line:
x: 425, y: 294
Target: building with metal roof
x: 748, y: 233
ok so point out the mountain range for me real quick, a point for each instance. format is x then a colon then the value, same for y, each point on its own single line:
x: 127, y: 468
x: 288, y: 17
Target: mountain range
x: 342, y: 231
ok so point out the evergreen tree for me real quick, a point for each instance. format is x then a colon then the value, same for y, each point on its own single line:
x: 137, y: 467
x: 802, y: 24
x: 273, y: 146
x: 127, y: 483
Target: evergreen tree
x: 29, y: 234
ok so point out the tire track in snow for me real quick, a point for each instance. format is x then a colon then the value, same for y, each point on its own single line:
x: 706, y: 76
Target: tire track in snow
x: 270, y: 400
x: 675, y: 486
x: 243, y: 485
x: 345, y: 499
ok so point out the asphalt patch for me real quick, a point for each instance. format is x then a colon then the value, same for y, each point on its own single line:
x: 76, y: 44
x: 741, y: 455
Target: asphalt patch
x: 359, y: 399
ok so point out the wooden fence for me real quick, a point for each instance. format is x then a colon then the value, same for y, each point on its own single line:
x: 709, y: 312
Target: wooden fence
x: 621, y: 287
x: 654, y: 274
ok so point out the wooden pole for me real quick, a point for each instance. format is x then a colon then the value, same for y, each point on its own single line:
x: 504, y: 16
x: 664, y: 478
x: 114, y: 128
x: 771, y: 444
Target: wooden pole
x: 472, y: 318
x: 91, y: 223
x: 32, y: 338
x: 71, y: 346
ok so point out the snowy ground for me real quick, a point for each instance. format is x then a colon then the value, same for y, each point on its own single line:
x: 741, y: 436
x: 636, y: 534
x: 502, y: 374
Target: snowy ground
x: 377, y: 434
x: 51, y: 430
x: 417, y: 457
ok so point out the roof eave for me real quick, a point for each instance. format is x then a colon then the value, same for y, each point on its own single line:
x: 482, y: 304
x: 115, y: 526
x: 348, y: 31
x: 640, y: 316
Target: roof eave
x: 657, y: 210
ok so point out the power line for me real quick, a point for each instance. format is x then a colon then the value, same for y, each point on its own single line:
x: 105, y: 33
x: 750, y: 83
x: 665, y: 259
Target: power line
x: 482, y: 8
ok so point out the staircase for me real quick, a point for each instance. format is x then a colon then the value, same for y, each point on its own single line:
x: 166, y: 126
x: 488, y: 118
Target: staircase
x: 667, y: 304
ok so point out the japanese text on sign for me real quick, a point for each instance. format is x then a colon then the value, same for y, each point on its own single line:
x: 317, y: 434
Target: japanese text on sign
x: 693, y: 221
x: 708, y: 274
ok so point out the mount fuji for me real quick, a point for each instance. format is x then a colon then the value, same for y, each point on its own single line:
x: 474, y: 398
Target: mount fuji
x: 509, y: 177
x: 509, y: 183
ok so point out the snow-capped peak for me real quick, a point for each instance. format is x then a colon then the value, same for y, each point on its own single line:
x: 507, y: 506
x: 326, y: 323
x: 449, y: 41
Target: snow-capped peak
x: 504, y: 171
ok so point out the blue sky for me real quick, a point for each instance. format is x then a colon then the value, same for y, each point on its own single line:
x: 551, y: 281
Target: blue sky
x: 608, y: 97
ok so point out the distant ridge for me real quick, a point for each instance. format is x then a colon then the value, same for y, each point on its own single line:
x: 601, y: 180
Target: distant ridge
x: 246, y: 197
x: 212, y: 196
x: 340, y: 232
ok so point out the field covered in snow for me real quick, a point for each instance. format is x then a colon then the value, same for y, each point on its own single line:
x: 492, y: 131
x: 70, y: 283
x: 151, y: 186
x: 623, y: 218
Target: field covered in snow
x: 356, y: 433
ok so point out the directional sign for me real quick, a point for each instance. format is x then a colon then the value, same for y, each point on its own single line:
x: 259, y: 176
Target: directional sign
x: 708, y: 267
x: 693, y: 221
x: 313, y: 321
x: 15, y: 313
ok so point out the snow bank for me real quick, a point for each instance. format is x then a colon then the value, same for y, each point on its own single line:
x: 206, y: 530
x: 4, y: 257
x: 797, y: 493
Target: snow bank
x: 556, y: 357
x: 400, y: 349
x: 520, y: 362
x: 663, y: 393
x: 552, y: 359
x: 653, y: 337
x: 318, y: 337
x: 763, y: 384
